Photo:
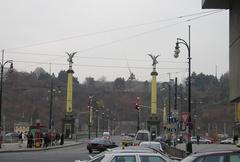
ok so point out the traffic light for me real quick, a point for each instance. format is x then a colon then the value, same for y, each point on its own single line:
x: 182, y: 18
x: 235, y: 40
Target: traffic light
x: 137, y: 106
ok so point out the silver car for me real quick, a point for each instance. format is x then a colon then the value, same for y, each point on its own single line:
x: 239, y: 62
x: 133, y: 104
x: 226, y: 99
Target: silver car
x: 129, y: 157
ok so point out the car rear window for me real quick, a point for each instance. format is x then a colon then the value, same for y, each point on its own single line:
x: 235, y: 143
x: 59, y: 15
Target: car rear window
x: 142, y: 137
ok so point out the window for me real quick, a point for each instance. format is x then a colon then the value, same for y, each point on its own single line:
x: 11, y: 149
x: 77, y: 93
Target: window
x: 142, y: 137
x: 98, y: 159
x: 234, y: 157
x: 124, y: 159
x: 151, y: 159
x: 214, y: 158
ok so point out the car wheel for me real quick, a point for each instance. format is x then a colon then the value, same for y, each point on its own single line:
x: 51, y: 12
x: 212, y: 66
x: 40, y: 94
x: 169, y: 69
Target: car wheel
x: 90, y: 151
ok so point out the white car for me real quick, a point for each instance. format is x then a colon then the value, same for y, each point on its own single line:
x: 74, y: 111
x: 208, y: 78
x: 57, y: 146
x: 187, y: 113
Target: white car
x: 201, y: 140
x: 151, y: 144
x: 129, y: 157
x: 227, y: 141
x: 142, y: 135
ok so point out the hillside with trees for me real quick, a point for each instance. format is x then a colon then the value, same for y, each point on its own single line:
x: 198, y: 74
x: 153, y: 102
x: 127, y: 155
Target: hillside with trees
x: 26, y: 97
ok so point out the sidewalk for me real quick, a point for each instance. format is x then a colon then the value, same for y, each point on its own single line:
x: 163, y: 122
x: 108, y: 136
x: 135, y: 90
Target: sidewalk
x: 14, y: 147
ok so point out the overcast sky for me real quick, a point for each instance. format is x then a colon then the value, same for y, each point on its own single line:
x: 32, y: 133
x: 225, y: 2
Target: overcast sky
x: 116, y: 34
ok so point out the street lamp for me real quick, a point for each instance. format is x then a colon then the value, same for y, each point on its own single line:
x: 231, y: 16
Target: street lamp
x: 1, y: 87
x: 176, y: 54
x: 52, y: 91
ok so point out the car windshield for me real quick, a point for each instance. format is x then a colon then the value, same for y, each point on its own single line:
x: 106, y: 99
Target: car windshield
x: 142, y: 137
x: 99, y: 141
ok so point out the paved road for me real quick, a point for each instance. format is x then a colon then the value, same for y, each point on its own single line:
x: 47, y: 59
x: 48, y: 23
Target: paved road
x: 68, y: 154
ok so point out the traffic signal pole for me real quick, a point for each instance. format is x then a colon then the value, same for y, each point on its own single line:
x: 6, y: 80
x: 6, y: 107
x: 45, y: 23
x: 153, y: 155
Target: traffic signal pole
x: 138, y: 113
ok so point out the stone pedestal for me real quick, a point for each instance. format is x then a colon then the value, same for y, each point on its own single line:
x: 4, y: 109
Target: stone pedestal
x: 153, y: 125
x: 68, y: 126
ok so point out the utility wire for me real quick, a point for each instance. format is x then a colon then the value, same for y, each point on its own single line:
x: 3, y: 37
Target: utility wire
x: 99, y: 66
x: 109, y: 30
x: 139, y: 34
x: 97, y: 58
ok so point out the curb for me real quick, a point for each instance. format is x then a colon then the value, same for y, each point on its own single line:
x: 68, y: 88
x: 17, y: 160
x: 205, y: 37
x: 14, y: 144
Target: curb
x: 41, y: 149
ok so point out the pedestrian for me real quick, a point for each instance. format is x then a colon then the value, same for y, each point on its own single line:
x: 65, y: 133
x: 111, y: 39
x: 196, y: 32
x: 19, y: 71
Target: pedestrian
x: 62, y: 139
x: 46, y: 140
x: 29, y: 140
x: 57, y: 138
x: 198, y: 139
x: 235, y: 139
x: 20, y: 139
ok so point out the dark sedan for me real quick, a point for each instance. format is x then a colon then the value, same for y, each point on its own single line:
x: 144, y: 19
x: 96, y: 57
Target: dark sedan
x: 100, y: 144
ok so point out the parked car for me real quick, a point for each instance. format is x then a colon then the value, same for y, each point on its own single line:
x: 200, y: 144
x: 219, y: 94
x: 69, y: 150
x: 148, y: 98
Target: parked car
x: 129, y: 157
x: 227, y: 141
x: 205, y: 140
x: 151, y: 144
x: 11, y: 137
x: 194, y: 139
x: 132, y: 134
x: 100, y: 144
x: 201, y: 140
x: 142, y: 135
x: 161, y: 139
x: 216, y: 156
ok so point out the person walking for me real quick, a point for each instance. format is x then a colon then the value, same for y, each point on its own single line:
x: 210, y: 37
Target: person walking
x: 198, y: 139
x: 20, y: 139
x: 29, y: 140
x: 46, y: 140
x: 62, y: 139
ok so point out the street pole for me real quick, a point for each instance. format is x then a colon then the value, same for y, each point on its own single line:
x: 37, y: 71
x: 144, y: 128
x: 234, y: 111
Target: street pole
x: 177, y: 51
x: 1, y: 91
x: 1, y: 136
x: 96, y: 123
x: 51, y: 104
x: 169, y: 99
x: 103, y: 122
x: 138, y: 113
x: 175, y: 92
x: 189, y: 145
x: 90, y: 116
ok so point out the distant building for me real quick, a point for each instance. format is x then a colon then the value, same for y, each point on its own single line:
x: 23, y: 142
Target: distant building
x: 21, y: 127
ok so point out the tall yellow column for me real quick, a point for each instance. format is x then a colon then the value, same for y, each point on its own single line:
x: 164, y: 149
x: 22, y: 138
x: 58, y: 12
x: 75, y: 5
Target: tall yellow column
x: 69, y: 91
x: 154, y: 94
x: 68, y: 127
x: 154, y: 122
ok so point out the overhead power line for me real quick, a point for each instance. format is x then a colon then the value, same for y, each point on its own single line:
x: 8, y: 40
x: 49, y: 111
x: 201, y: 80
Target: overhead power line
x: 100, y: 66
x: 112, y: 30
x: 91, y: 58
